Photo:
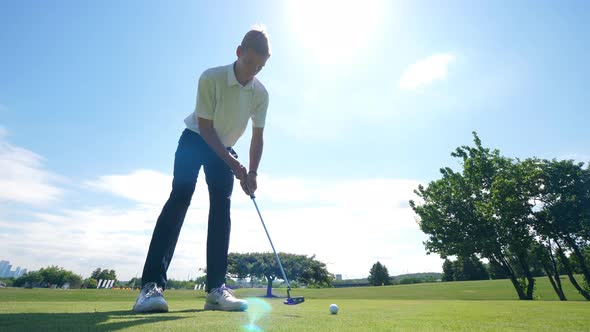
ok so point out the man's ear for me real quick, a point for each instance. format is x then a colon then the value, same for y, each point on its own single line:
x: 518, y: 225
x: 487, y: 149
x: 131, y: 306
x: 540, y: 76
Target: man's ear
x: 239, y: 51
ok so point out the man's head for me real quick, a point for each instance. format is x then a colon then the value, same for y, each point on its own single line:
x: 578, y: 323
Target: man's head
x: 252, y: 54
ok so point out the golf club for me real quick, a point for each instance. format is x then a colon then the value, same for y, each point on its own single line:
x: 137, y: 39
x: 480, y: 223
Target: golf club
x: 290, y: 300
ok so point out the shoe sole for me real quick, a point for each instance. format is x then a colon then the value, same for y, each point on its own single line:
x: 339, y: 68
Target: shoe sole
x: 211, y: 306
x: 152, y: 309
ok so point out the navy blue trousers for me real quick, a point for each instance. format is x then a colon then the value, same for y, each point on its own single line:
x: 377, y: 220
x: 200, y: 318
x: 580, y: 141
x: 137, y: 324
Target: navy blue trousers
x: 192, y: 153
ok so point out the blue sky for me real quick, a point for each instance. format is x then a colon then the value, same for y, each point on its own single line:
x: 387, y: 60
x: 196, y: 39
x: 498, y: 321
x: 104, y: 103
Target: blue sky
x: 367, y: 100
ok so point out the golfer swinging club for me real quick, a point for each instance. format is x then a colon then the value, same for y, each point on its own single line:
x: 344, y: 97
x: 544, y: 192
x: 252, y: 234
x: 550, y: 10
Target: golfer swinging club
x: 227, y: 98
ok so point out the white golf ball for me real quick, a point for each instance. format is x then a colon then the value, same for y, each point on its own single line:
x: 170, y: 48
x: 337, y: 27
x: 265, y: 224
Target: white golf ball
x: 333, y: 309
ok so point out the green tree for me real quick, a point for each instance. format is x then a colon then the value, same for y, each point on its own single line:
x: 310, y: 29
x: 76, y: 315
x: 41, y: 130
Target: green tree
x: 51, y: 275
x: 264, y: 265
x: 470, y: 268
x: 105, y: 274
x: 378, y: 275
x: 96, y: 273
x: 134, y: 282
x: 483, y: 210
x: 496, y: 271
x: 410, y: 280
x: 316, y: 275
x: 9, y: 282
x: 54, y: 275
x: 74, y: 280
x: 29, y: 279
x: 457, y: 271
x: 180, y: 284
x: 464, y: 268
x: 512, y: 191
x: 575, y: 260
x: 564, y: 217
x: 448, y: 271
x: 90, y: 283
x: 544, y: 254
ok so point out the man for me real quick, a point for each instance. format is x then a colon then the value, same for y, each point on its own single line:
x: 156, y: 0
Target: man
x: 227, y: 98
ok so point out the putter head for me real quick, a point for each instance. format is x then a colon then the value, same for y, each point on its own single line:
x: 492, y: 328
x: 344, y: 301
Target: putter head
x: 294, y: 300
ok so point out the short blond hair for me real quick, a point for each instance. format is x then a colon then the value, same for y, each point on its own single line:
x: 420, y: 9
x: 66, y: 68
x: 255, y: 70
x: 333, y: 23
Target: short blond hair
x: 257, y: 39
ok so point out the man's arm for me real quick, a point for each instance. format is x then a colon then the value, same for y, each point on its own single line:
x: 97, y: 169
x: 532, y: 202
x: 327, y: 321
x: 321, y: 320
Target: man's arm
x: 210, y: 136
x: 256, y: 145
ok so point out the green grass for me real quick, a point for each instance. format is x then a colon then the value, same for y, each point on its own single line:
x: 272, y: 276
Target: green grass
x: 464, y: 290
x: 457, y: 306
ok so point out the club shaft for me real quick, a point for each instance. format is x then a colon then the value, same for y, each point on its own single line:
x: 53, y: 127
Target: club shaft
x: 272, y: 245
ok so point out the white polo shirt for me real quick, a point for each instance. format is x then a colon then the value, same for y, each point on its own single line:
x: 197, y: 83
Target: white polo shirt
x: 221, y: 98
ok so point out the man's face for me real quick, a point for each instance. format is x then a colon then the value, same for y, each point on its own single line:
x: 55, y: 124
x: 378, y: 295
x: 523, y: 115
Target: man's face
x: 250, y: 63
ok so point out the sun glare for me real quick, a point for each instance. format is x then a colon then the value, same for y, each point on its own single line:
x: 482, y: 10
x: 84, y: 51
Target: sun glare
x: 334, y: 30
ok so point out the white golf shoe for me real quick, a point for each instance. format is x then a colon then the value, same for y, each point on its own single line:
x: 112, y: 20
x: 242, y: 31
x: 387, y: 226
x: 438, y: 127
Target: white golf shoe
x: 223, y: 298
x: 150, y: 299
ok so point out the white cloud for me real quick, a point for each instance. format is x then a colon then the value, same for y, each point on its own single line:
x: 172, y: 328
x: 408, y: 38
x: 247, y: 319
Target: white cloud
x: 23, y: 178
x: 348, y: 240
x: 82, y: 240
x: 145, y: 187
x: 141, y: 186
x: 426, y: 71
x: 348, y: 223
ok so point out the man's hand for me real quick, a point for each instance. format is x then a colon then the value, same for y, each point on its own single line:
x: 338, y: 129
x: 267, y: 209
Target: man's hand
x: 209, y: 134
x: 249, y: 184
x: 239, y: 170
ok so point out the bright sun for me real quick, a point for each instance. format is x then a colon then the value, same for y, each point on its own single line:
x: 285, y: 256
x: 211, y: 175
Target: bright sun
x: 334, y: 30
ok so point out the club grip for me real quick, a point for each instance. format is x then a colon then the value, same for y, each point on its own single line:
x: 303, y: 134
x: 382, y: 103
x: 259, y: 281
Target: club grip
x: 250, y: 191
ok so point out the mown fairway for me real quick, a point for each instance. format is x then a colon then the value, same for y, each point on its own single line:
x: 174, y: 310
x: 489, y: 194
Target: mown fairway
x: 459, y: 306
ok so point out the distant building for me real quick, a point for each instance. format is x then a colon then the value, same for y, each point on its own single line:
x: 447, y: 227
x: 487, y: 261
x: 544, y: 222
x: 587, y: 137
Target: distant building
x: 338, y: 277
x: 21, y: 273
x: 5, y: 270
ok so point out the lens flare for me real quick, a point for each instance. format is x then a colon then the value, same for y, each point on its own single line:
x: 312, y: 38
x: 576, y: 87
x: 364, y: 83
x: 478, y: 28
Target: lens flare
x: 257, y: 308
x: 252, y: 328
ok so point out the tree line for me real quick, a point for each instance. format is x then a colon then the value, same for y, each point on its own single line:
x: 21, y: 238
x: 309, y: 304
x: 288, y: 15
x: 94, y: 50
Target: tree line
x: 298, y: 268
x: 51, y: 275
x: 465, y: 268
x: 58, y: 276
x: 520, y: 215
x: 379, y: 276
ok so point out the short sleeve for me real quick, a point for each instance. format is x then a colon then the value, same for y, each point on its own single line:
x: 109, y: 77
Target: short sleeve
x: 259, y: 114
x: 205, y: 107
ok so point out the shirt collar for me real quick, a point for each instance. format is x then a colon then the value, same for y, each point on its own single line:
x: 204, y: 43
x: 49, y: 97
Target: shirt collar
x: 232, y: 79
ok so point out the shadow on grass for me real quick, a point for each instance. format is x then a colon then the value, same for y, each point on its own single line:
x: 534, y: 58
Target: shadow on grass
x: 84, y: 321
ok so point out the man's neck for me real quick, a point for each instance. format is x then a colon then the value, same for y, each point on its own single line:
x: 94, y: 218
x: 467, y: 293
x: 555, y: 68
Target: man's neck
x: 236, y: 73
